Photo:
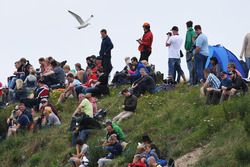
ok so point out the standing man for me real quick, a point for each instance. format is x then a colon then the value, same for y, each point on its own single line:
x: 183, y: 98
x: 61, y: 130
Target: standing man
x: 200, y: 53
x: 105, y: 52
x: 246, y: 50
x: 145, y: 42
x: 174, y: 43
x: 189, y: 47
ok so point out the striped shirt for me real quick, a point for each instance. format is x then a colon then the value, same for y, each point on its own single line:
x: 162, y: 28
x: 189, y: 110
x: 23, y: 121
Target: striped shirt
x: 213, y: 81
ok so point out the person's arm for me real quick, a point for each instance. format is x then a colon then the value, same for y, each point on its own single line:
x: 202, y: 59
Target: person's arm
x: 169, y: 40
x: 243, y: 50
x: 48, y: 73
x: 110, y: 46
x: 78, y: 110
x: 198, y: 46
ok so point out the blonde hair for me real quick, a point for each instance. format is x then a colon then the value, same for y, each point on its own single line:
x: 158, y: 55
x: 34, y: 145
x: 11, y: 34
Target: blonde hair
x: 66, y: 67
x: 19, y: 84
x: 47, y: 110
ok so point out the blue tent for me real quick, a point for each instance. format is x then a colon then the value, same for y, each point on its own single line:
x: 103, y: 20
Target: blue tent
x: 224, y: 57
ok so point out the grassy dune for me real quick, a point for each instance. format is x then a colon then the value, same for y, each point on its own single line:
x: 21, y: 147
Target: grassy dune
x: 177, y: 121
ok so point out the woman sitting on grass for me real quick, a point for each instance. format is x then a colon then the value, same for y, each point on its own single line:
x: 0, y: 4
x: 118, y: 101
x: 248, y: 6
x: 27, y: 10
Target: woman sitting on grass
x: 51, y: 118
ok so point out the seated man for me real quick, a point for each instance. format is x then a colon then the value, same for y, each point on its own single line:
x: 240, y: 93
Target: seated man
x: 56, y: 76
x: 101, y: 85
x: 136, y: 75
x: 83, y: 126
x: 149, y: 152
x: 23, y: 121
x: 231, y: 67
x: 238, y: 84
x: 85, y: 106
x: 70, y: 88
x: 129, y: 106
x: 226, y: 85
x: 143, y: 84
x: 212, y: 83
x: 114, y: 150
x: 116, y: 128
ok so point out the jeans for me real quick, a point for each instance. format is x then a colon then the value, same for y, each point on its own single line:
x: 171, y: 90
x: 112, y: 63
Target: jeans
x: 79, y: 90
x: 174, y: 64
x: 248, y: 63
x: 83, y: 134
x: 190, y: 65
x: 200, y: 62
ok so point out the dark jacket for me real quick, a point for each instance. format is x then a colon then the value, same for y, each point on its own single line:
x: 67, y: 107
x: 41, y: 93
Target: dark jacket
x: 106, y: 47
x: 130, y: 103
x: 239, y: 84
x: 87, y: 122
x: 147, y: 82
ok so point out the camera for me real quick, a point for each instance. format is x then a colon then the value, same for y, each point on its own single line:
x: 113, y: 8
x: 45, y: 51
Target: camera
x: 169, y: 33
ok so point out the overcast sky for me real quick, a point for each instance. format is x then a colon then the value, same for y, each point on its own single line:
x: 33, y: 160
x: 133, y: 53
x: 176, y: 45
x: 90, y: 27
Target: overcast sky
x: 34, y: 29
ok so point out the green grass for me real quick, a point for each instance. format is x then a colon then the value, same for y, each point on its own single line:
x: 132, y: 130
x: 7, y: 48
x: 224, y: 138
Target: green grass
x: 177, y: 121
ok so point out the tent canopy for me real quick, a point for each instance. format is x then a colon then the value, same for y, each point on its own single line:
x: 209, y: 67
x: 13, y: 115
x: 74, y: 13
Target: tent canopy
x: 224, y: 57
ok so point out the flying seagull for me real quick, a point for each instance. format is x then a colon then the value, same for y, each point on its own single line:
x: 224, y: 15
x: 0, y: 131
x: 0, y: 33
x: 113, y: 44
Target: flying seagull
x: 83, y: 24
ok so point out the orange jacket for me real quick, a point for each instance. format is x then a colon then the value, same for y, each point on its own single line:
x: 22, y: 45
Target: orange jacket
x: 146, y: 42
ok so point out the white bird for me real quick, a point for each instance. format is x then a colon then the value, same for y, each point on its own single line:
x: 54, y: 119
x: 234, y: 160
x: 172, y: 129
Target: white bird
x: 83, y: 24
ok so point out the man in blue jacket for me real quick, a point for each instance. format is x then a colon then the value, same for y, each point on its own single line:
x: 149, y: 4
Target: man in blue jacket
x: 105, y: 52
x: 133, y: 77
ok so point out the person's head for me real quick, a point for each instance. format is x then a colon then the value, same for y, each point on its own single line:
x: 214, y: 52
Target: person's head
x: 17, y: 64
x: 109, y: 128
x: 53, y: 63
x: 21, y: 107
x: 103, y: 33
x: 143, y: 72
x: 189, y: 24
x: 146, y: 139
x: 127, y: 60
x: 78, y: 67
x: 206, y: 72
x: 88, y: 95
x: 66, y: 68
x: 113, y: 139
x: 19, y: 84
x: 147, y: 148
x: 223, y: 75
x: 175, y: 30
x: 136, y: 158
x: 79, y: 142
x: 108, y: 122
x: 125, y: 92
x: 146, y: 27
x: 145, y: 62
x: 231, y: 67
x: 152, y: 161
x: 23, y: 61
x: 134, y: 60
x: 197, y: 29
x: 233, y: 74
x: 70, y: 77
x: 213, y: 61
x: 41, y: 61
x: 44, y: 102
x: 140, y: 149
x: 47, y: 110
x: 81, y: 97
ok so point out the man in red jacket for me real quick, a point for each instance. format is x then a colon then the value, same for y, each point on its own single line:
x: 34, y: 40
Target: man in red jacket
x: 145, y: 42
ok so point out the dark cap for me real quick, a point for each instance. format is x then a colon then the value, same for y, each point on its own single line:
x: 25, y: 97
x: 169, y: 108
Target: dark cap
x: 41, y: 81
x: 225, y: 73
x: 174, y: 28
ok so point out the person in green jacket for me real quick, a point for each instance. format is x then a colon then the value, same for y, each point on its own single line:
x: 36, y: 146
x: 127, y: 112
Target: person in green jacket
x: 117, y: 129
x: 189, y: 45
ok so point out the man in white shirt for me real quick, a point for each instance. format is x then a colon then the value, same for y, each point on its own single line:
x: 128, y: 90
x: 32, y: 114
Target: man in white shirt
x: 174, y: 43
